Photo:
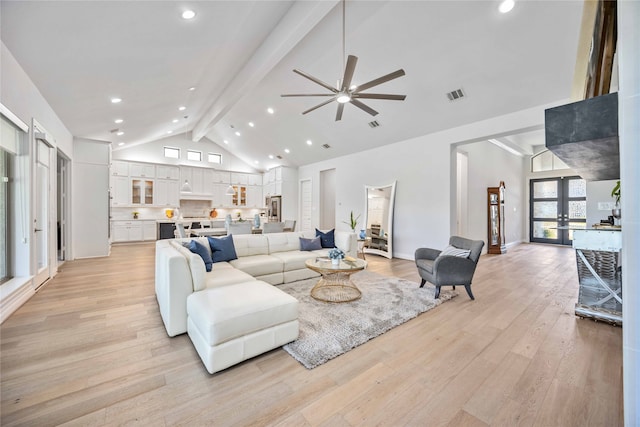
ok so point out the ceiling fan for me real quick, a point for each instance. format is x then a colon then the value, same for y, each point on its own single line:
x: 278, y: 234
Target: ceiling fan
x: 345, y: 93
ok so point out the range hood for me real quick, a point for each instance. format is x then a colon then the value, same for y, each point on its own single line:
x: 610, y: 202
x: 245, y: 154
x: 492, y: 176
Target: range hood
x: 584, y: 135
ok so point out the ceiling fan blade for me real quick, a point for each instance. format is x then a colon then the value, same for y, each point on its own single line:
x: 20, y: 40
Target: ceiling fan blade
x: 313, y: 79
x: 363, y: 107
x: 308, y: 94
x: 317, y: 106
x: 380, y: 80
x: 348, y: 72
x: 379, y: 96
x: 339, y: 112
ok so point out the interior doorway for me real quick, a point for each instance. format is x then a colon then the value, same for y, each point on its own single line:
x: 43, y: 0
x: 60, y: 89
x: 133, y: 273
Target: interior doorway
x: 557, y: 206
x: 462, y: 193
x: 305, y: 205
x: 42, y: 211
x: 328, y: 199
x: 63, y: 207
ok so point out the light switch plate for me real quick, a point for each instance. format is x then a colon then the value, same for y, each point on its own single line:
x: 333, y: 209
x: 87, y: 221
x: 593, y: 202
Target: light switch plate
x: 606, y: 206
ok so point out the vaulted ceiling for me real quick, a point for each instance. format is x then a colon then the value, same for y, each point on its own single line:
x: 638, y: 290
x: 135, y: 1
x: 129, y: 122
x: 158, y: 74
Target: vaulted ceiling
x: 239, y: 57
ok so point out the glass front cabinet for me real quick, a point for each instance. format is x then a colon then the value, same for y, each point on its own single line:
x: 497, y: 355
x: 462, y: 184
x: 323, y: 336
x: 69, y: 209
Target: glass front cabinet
x: 495, y: 217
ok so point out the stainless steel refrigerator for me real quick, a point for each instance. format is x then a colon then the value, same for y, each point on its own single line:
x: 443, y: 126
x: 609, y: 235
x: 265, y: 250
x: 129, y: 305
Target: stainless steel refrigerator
x: 274, y: 212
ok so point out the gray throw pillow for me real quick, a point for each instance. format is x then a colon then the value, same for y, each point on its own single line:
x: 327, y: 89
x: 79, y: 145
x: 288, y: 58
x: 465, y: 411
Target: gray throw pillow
x: 310, y: 244
x: 453, y: 251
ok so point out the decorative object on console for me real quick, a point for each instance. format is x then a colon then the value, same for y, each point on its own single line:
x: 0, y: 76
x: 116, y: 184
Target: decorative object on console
x: 256, y: 221
x: 168, y: 213
x: 345, y: 93
x: 616, y: 212
x: 362, y: 235
x: 213, y: 213
x: 353, y: 222
x: 495, y: 202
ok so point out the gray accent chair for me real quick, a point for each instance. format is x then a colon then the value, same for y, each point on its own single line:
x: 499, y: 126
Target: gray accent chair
x: 449, y: 270
x: 272, y: 227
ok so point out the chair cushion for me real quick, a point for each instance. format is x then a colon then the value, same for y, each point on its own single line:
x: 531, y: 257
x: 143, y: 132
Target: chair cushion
x: 222, y: 314
x: 326, y: 239
x: 310, y: 244
x: 258, y: 265
x: 453, y: 251
x: 222, y: 248
x: 425, y: 264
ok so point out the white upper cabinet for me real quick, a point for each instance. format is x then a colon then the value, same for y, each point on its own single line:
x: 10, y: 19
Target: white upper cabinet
x: 167, y: 172
x: 144, y: 170
x: 120, y: 191
x: 166, y: 192
x: 119, y: 168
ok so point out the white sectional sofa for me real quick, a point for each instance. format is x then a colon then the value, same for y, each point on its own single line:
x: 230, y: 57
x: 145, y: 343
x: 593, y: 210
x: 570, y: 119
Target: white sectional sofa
x: 235, y: 312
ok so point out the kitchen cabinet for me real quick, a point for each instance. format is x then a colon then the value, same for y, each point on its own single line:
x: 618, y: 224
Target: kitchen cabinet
x: 167, y: 172
x: 133, y: 231
x: 239, y: 198
x: 119, y: 168
x: 143, y: 170
x: 255, y: 179
x: 239, y: 178
x: 166, y: 193
x: 120, y: 191
x: 142, y: 191
x: 220, y: 199
x: 254, y: 197
x: 200, y: 179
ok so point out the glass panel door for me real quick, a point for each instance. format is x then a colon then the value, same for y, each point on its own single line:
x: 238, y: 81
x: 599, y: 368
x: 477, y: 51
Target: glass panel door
x: 557, y: 207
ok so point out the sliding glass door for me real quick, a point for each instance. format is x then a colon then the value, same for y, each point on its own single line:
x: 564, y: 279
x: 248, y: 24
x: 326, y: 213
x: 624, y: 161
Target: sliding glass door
x: 557, y: 207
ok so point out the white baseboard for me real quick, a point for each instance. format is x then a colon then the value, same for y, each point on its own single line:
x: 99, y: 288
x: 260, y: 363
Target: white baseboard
x: 13, y: 299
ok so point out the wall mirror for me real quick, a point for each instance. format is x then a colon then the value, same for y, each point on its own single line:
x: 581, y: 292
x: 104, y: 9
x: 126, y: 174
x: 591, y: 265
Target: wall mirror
x: 379, y: 219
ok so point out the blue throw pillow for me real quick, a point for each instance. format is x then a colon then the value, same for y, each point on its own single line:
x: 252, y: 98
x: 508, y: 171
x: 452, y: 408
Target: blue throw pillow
x: 222, y: 248
x: 200, y: 249
x: 310, y: 244
x: 326, y: 239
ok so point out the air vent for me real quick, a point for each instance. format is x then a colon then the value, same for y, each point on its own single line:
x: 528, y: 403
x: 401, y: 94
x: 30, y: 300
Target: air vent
x: 374, y: 124
x: 279, y: 157
x: 455, y: 95
x: 326, y: 146
x: 114, y: 130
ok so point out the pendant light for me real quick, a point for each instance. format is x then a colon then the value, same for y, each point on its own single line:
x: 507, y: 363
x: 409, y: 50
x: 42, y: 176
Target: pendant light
x: 186, y: 187
x: 230, y: 190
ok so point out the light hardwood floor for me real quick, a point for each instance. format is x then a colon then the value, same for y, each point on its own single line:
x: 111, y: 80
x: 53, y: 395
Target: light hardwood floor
x: 90, y: 349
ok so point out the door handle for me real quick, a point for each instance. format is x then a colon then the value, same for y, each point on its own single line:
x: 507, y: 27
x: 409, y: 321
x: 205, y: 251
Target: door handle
x: 37, y: 229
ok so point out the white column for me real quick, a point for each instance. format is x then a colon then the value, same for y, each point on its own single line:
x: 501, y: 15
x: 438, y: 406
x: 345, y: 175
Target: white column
x: 629, y: 127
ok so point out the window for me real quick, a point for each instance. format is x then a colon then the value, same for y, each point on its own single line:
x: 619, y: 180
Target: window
x: 195, y: 156
x: 13, y: 201
x: 214, y: 158
x: 546, y: 161
x: 171, y: 152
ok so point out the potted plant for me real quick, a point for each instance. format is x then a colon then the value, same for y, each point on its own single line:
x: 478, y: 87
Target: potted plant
x: 336, y: 255
x: 135, y: 214
x: 353, y: 222
x: 616, y: 211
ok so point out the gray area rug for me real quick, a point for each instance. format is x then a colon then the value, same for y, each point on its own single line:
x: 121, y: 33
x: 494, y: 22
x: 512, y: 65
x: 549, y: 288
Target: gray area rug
x: 328, y: 330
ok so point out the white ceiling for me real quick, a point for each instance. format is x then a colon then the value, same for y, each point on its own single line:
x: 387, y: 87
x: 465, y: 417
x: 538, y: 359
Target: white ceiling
x: 240, y: 55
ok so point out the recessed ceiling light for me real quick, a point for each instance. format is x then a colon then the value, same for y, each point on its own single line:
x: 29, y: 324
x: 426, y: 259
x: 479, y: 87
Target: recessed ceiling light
x: 174, y: 121
x: 192, y: 88
x: 169, y: 131
x: 118, y: 121
x: 182, y: 108
x: 271, y: 156
x: 188, y: 14
x: 309, y: 142
x: 225, y: 141
x: 237, y: 133
x: 506, y: 6
x: 251, y: 124
x: 120, y: 133
x: 121, y: 144
x: 116, y: 100
x: 256, y: 162
x: 270, y: 110
x: 286, y: 150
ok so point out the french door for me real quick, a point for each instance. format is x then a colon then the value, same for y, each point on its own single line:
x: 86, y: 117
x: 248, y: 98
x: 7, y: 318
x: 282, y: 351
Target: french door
x: 557, y: 206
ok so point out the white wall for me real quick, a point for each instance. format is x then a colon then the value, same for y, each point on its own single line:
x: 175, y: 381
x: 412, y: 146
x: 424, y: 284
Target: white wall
x: 424, y: 170
x: 22, y: 97
x: 488, y: 165
x: 153, y: 152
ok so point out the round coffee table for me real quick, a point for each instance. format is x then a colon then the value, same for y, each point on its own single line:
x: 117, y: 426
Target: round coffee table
x: 335, y: 285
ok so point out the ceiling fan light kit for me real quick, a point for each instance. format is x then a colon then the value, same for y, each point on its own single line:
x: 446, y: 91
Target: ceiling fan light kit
x: 346, y: 93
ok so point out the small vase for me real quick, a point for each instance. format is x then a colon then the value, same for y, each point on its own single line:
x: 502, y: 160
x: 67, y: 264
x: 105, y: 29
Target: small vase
x: 135, y: 216
x: 335, y: 261
x: 363, y: 234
